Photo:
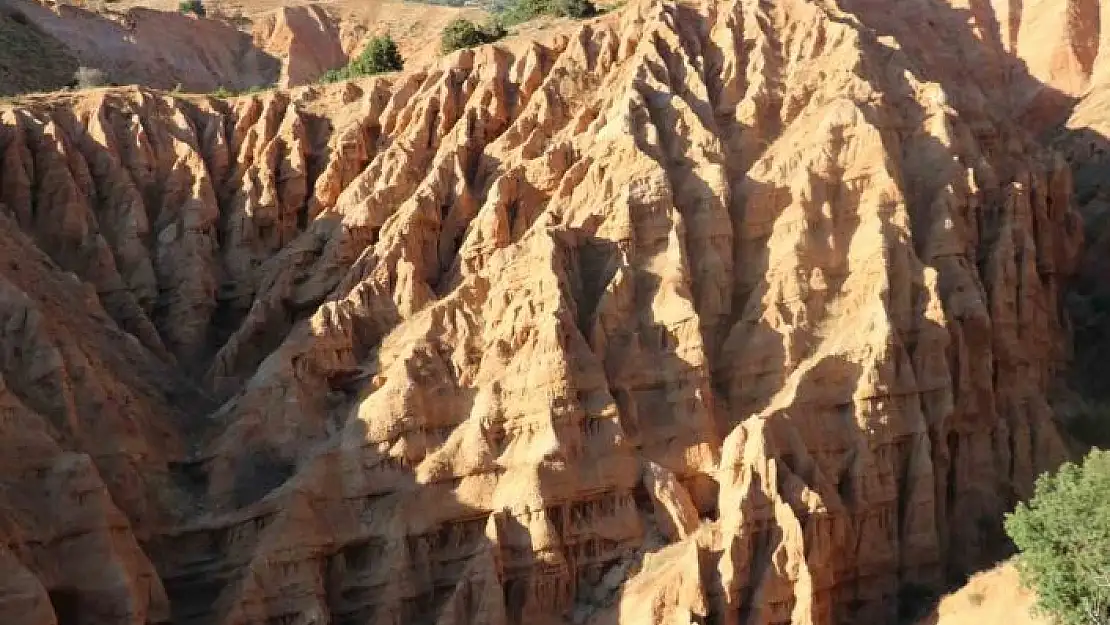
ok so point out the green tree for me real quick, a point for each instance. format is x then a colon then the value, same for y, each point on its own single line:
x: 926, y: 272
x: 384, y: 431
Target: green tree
x: 1063, y: 534
x: 463, y: 33
x: 517, y: 11
x: 578, y: 9
x: 195, y: 7
x: 380, y: 56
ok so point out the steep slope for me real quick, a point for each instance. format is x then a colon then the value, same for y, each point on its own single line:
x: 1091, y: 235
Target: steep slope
x: 306, y: 38
x: 994, y: 596
x: 1082, y: 139
x: 163, y: 49
x: 30, y: 60
x: 237, y: 48
x: 313, y: 38
x: 741, y: 312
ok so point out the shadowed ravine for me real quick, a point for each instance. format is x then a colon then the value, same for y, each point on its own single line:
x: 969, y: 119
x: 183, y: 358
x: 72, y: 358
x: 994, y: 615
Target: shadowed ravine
x: 739, y: 312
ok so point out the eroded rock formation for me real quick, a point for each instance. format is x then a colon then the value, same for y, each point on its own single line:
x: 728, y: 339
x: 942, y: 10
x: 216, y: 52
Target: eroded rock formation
x: 735, y: 312
x: 306, y: 38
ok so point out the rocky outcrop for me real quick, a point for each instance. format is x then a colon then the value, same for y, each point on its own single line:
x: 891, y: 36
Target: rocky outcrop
x: 743, y: 311
x: 306, y: 38
x: 1082, y: 140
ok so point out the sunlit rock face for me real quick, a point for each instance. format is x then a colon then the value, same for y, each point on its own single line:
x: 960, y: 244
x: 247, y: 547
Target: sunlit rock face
x: 737, y: 312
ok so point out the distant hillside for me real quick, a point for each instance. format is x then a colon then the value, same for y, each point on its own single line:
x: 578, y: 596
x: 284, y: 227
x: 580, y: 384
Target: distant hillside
x: 30, y: 60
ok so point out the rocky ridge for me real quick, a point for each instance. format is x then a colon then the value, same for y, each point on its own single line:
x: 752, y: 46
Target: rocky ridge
x: 233, y: 49
x: 732, y: 312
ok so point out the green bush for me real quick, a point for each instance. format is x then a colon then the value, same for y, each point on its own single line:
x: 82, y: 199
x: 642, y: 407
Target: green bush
x: 517, y: 11
x: 380, y: 56
x: 578, y: 9
x: 196, y: 7
x: 1063, y: 535
x: 463, y: 33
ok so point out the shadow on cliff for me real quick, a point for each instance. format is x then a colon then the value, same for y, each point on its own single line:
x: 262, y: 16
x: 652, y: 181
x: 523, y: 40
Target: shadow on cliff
x: 968, y: 524
x: 381, y: 544
x: 416, y: 552
x: 361, y: 555
x: 169, y: 192
x: 402, y: 549
x: 965, y: 59
x: 1086, y: 412
x: 571, y: 520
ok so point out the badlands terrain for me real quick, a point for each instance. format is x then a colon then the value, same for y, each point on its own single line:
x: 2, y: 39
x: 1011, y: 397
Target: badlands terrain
x: 743, y: 312
x: 238, y: 47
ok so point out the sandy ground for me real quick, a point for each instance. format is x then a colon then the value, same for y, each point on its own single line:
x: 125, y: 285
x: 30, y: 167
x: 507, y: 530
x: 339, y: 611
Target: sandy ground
x: 994, y: 597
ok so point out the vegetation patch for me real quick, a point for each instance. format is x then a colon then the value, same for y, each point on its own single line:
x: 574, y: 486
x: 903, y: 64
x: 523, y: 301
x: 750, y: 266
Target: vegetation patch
x: 1063, y: 534
x: 196, y: 7
x: 379, y: 57
x: 512, y: 12
x: 463, y: 33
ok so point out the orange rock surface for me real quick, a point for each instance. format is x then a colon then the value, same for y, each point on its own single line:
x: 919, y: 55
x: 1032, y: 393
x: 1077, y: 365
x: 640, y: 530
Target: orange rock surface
x: 994, y: 596
x: 739, y: 312
x: 237, y: 48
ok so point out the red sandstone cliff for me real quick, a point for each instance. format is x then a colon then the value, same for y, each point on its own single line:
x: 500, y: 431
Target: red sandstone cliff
x: 740, y: 311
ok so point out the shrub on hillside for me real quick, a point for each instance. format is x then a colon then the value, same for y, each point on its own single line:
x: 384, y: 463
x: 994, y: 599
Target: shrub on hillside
x: 463, y: 33
x: 196, y: 7
x: 517, y: 11
x: 1063, y: 534
x: 578, y: 9
x: 380, y: 56
x: 89, y: 78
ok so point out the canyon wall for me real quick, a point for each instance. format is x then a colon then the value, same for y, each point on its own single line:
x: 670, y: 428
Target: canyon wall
x: 737, y: 312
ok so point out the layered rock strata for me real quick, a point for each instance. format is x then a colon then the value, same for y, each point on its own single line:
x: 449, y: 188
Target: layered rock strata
x: 740, y: 312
